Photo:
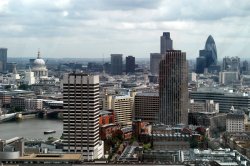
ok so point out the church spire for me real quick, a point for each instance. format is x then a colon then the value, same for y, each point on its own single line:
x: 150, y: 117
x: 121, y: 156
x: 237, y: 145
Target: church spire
x: 38, y: 54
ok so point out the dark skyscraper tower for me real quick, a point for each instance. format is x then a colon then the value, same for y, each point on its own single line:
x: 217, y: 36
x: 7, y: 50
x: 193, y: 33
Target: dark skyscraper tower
x: 3, y: 59
x: 245, y: 66
x: 173, y: 88
x: 210, y: 46
x: 130, y: 64
x: 116, y: 64
x: 166, y: 42
x: 155, y: 59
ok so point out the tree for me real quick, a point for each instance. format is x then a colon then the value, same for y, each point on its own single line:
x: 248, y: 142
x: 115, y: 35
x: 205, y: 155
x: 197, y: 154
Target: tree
x: 147, y: 146
x: 193, y: 143
x: 7, y: 87
x: 16, y: 109
x: 24, y: 87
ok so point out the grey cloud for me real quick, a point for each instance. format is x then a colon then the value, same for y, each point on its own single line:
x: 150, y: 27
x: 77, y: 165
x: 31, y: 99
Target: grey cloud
x: 115, y: 4
x: 125, y: 22
x: 203, y: 10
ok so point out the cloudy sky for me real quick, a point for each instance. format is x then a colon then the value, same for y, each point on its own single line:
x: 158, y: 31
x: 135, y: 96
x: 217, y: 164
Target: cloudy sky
x: 92, y: 28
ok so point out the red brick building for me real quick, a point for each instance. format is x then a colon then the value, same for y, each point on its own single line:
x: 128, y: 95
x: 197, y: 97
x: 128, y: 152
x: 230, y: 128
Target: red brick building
x: 126, y: 133
x: 106, y: 117
x: 108, y: 131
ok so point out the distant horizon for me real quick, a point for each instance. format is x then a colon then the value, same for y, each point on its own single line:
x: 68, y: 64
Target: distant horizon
x: 108, y: 58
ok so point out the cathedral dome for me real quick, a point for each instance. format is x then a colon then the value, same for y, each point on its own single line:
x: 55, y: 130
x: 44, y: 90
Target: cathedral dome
x: 39, y: 63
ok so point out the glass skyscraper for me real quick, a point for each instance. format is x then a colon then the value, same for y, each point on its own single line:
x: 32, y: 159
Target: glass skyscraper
x: 3, y: 59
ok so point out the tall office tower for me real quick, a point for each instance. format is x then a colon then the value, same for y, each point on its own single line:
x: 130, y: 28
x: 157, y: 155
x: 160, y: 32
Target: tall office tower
x: 166, y: 42
x: 81, y: 115
x: 235, y: 64
x: 200, y: 64
x: 130, y: 64
x: 173, y: 88
x: 3, y: 59
x: 209, y: 54
x: 116, y: 64
x: 155, y: 59
x: 231, y: 64
x: 245, y: 66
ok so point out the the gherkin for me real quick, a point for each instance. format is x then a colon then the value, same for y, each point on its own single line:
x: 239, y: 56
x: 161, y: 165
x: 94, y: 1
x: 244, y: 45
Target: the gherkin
x: 210, y: 46
x: 208, y: 56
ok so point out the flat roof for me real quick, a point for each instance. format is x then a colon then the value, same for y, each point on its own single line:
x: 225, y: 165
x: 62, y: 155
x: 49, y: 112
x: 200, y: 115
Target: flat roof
x: 148, y: 94
x: 59, y: 156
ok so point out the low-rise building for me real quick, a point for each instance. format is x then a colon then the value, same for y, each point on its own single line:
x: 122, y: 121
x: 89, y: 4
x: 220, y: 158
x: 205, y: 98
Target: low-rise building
x: 219, y: 157
x: 163, y: 156
x: 247, y: 127
x: 5, y: 97
x: 46, y: 159
x: 205, y: 106
x: 125, y: 132
x: 106, y: 117
x: 141, y: 128
x: 33, y: 104
x: 225, y: 97
x: 108, y: 131
x: 216, y: 122
x: 176, y: 141
x: 18, y: 102
x: 229, y: 77
x: 236, y: 121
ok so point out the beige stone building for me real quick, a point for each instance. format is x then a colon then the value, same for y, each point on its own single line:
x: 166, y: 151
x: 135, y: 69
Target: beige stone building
x: 122, y: 105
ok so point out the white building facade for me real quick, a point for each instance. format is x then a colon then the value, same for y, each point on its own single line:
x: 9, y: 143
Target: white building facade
x: 81, y: 115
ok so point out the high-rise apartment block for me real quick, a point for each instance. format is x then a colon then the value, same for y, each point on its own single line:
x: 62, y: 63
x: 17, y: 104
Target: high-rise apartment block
x: 173, y: 88
x: 81, y: 115
x: 155, y: 59
x: 166, y: 42
x: 3, y: 59
x: 130, y: 64
x: 116, y: 64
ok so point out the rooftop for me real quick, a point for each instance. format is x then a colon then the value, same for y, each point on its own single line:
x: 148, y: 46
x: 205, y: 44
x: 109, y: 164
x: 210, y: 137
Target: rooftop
x: 222, y: 91
x: 64, y: 156
x: 148, y: 94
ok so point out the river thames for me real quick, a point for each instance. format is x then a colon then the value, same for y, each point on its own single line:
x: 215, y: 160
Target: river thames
x: 31, y: 129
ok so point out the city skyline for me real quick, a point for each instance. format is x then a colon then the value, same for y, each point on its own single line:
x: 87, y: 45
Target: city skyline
x: 82, y: 29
